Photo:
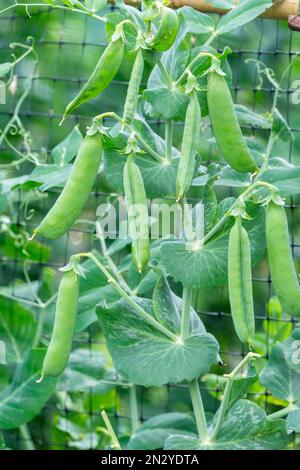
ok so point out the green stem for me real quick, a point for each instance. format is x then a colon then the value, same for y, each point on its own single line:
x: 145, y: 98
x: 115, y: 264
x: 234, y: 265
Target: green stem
x: 169, y: 139
x: 139, y: 138
x: 198, y: 409
x: 282, y: 413
x: 134, y: 412
x: 195, y: 60
x: 26, y: 438
x: 115, y: 442
x: 139, y: 310
x: 225, y: 401
x: 242, y: 197
x: 164, y: 73
x: 109, y: 260
x: 186, y: 313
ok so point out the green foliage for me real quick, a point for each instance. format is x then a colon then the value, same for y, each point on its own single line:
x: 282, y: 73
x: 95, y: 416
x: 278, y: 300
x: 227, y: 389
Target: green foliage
x: 140, y: 327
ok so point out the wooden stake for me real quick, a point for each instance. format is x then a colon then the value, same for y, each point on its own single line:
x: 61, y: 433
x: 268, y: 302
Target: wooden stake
x: 281, y: 9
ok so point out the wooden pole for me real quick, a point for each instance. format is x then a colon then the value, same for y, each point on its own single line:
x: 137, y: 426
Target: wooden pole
x: 281, y: 10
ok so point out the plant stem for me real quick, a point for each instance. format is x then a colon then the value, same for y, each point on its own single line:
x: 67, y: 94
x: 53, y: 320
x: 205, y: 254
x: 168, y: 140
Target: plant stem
x: 198, y: 409
x: 135, y: 422
x: 242, y: 197
x: 111, y: 432
x: 186, y: 313
x: 139, y: 310
x: 164, y: 73
x: 169, y: 138
x: 196, y: 58
x: 26, y: 437
x: 225, y: 401
x: 281, y: 413
x: 139, y: 138
x: 110, y: 262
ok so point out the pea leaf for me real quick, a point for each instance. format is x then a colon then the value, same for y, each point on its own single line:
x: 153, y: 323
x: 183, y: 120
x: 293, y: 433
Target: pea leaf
x: 281, y: 128
x: 48, y: 176
x: 208, y: 267
x: 25, y: 391
x: 247, y: 117
x: 95, y: 5
x: 286, y: 179
x: 5, y: 68
x: 293, y: 421
x: 245, y: 427
x: 159, y: 179
x: 85, y: 369
x: 145, y: 356
x: 242, y: 14
x: 281, y: 376
x: 17, y: 329
x: 154, y: 432
x: 68, y: 148
x: 167, y: 308
x: 196, y: 22
x: 81, y: 436
x: 223, y: 4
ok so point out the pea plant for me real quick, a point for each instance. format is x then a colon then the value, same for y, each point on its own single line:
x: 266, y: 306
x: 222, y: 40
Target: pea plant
x: 144, y: 292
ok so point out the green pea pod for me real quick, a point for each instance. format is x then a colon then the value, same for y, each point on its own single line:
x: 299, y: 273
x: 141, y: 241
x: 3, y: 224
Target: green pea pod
x: 133, y: 88
x: 137, y: 210
x: 283, y: 274
x: 240, y: 283
x: 104, y: 72
x: 60, y: 345
x: 189, y: 146
x: 74, y: 196
x: 167, y: 30
x: 225, y: 125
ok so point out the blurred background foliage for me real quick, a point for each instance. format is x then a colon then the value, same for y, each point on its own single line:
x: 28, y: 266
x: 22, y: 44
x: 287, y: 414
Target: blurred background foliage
x: 68, y: 46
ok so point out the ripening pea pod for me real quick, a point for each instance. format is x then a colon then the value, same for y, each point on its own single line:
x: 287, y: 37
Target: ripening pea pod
x: 60, y: 346
x: 240, y: 283
x: 167, y: 30
x: 74, y: 196
x: 225, y: 125
x: 138, y: 219
x: 103, y: 74
x: 189, y: 146
x: 284, y: 278
x: 133, y: 88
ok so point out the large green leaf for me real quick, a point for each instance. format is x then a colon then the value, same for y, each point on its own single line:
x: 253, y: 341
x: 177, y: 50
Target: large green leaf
x: 293, y: 421
x: 245, y: 427
x: 24, y: 397
x: 281, y: 376
x: 154, y: 432
x: 247, y: 117
x: 208, y: 266
x: 159, y: 179
x: 145, y: 356
x: 67, y: 149
x: 167, y: 309
x: 17, y: 330
x: 242, y: 14
x: 196, y: 22
x: 85, y: 369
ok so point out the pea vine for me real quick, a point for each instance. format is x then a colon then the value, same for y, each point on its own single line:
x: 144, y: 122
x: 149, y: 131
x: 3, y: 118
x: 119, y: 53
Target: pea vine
x: 145, y: 291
